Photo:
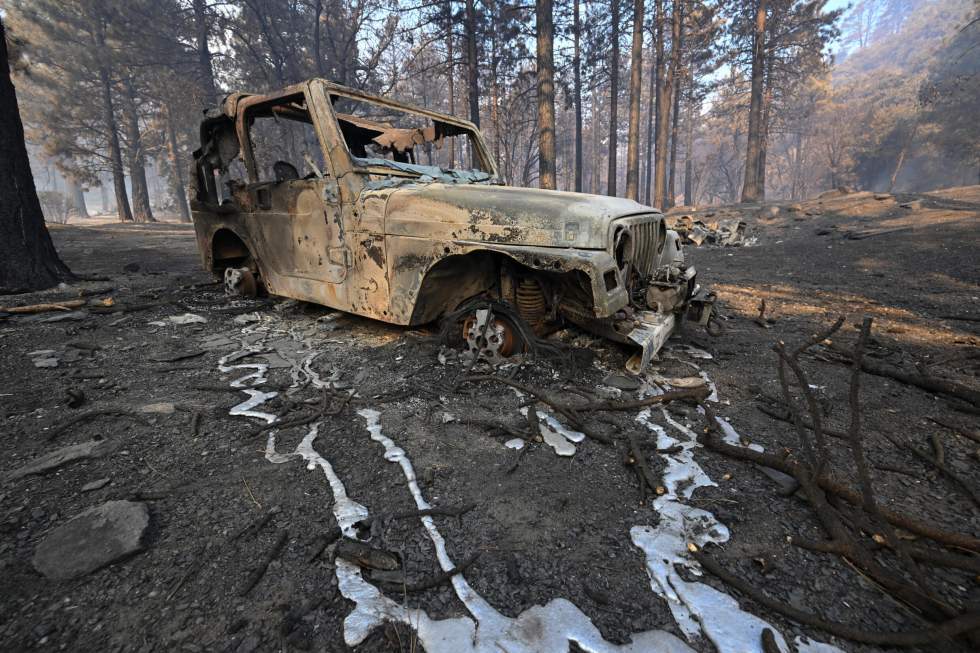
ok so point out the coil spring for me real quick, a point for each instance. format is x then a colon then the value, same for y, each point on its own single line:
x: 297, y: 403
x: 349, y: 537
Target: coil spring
x: 530, y: 302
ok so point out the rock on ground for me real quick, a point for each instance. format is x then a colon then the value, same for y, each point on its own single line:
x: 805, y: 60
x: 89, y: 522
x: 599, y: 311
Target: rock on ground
x: 93, y: 539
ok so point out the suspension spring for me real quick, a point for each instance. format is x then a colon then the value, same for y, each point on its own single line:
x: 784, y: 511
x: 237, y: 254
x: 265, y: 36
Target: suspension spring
x: 530, y: 303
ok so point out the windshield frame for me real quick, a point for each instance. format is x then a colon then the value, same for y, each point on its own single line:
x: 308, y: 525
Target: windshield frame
x: 476, y: 138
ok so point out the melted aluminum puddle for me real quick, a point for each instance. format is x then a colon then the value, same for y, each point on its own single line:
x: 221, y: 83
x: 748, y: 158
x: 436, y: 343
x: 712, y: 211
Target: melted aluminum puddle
x: 258, y: 376
x: 540, y: 628
x: 697, y: 608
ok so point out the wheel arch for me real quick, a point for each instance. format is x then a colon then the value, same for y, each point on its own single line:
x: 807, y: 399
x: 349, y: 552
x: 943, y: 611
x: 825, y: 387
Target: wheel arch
x: 228, y: 249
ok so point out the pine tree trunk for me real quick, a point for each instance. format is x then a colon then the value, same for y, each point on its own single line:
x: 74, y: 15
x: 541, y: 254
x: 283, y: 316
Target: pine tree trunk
x: 115, y: 155
x: 636, y: 91
x: 474, y: 78
x: 666, y: 99
x: 751, y: 191
x: 205, y: 69
x: 178, y: 183
x: 656, y: 87
x: 613, y: 101
x: 577, y: 64
x: 689, y: 149
x: 594, y: 163
x: 546, y: 95
x: 76, y: 198
x: 450, y: 74
x: 137, y: 158
x: 671, y: 178
x: 28, y: 260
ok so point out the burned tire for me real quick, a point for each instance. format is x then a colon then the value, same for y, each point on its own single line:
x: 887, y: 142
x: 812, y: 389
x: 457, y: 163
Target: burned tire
x: 241, y: 282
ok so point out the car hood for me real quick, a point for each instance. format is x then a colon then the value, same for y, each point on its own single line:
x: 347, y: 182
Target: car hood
x: 505, y: 215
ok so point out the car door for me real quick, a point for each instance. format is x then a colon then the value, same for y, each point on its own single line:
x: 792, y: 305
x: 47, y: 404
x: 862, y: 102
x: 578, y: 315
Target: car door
x: 293, y: 206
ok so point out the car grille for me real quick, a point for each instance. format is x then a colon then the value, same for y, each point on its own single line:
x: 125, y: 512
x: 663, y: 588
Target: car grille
x: 648, y: 236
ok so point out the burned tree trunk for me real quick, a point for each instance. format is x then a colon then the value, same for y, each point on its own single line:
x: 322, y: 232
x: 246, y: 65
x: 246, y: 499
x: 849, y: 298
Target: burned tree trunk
x: 751, y: 190
x: 76, y: 198
x: 205, y: 70
x: 656, y: 87
x: 137, y: 158
x: 577, y: 72
x: 450, y: 72
x: 636, y: 86
x: 689, y: 149
x: 177, y: 181
x: 613, y: 101
x: 666, y: 99
x: 28, y: 259
x: 672, y: 176
x: 112, y: 131
x: 546, y: 95
x: 473, y: 89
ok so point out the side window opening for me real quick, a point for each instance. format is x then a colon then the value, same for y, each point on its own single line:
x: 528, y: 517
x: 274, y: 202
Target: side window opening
x: 284, y: 141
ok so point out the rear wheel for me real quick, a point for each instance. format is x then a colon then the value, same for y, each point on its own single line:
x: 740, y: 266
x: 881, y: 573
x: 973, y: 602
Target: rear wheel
x: 241, y: 282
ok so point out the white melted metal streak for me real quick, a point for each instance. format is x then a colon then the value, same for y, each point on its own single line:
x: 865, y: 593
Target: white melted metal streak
x: 697, y: 607
x: 540, y: 628
x: 555, y: 434
x: 255, y: 397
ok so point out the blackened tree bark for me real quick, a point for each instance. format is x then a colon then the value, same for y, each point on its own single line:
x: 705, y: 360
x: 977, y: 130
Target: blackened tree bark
x: 28, y: 260
x: 205, y: 69
x: 577, y: 72
x: 636, y: 91
x: 689, y: 148
x: 613, y: 100
x: 471, y: 64
x: 76, y: 197
x: 656, y: 87
x: 112, y: 131
x: 450, y: 73
x: 671, y: 178
x: 137, y: 157
x: 546, y: 95
x: 751, y: 190
x: 666, y: 100
x: 177, y: 180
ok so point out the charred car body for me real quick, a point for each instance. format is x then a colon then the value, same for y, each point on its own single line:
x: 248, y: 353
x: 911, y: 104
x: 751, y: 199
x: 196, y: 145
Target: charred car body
x: 326, y: 194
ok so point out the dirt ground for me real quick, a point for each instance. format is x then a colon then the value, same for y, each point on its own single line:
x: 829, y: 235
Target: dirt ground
x: 545, y: 526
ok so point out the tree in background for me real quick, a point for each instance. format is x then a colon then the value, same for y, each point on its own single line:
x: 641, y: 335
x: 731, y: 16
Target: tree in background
x: 28, y: 260
x: 546, y: 95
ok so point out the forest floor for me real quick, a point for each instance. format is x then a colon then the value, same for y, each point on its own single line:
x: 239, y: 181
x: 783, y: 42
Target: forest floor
x: 545, y: 526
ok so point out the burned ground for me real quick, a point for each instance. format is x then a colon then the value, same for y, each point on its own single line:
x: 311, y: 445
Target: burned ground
x: 549, y: 527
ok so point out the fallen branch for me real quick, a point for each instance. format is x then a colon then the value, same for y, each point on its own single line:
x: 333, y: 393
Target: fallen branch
x: 259, y: 572
x: 843, y: 491
x: 91, y: 414
x: 968, y: 433
x: 321, y: 543
x: 641, y: 461
x: 947, y: 629
x: 568, y: 411
x: 438, y: 579
x: 254, y: 526
x: 44, y: 308
x: 931, y: 384
x: 939, y: 464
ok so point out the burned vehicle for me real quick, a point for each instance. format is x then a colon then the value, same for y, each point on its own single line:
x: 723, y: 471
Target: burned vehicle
x: 330, y: 195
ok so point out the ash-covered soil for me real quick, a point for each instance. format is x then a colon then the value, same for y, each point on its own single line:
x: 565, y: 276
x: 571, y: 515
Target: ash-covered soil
x: 545, y: 526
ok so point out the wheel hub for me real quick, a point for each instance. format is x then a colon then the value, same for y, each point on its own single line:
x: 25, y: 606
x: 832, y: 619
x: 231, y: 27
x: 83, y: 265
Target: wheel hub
x: 489, y: 337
